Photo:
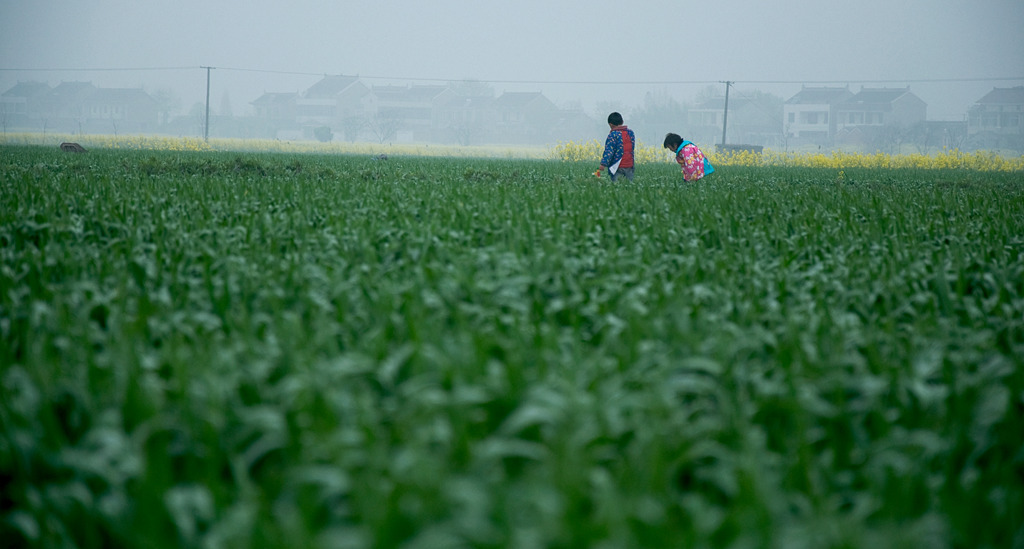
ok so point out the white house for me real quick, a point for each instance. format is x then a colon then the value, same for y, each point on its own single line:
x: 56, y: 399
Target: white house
x: 880, y: 107
x: 811, y: 113
x: 1000, y: 112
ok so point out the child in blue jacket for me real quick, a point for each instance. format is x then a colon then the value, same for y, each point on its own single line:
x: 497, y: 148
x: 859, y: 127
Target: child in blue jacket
x: 619, y: 147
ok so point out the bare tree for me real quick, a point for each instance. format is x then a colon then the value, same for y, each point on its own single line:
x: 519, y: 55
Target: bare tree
x: 659, y: 115
x: 167, y: 102
x: 352, y: 126
x: 891, y: 138
x: 606, y: 107
x: 707, y: 93
x: 384, y: 126
x: 198, y: 115
x: 464, y: 133
x: 225, y: 106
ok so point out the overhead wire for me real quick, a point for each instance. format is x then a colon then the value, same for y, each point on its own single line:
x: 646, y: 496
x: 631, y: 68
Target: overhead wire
x: 531, y: 81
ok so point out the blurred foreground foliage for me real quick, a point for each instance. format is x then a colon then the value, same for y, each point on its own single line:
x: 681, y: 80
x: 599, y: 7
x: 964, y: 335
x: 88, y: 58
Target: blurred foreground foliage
x: 248, y: 350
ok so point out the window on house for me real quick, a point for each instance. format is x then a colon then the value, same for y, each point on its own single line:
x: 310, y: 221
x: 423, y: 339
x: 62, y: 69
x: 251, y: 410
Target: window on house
x: 792, y: 117
x: 809, y: 117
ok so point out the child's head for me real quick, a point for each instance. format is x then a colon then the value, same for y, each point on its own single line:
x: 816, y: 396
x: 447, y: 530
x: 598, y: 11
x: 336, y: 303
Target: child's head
x: 672, y: 141
x: 615, y: 119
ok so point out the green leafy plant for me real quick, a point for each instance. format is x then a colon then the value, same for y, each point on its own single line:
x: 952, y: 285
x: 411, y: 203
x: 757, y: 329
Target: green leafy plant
x: 222, y: 350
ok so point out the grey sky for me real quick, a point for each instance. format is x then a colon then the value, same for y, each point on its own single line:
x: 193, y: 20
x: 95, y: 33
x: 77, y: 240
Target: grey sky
x: 525, y: 44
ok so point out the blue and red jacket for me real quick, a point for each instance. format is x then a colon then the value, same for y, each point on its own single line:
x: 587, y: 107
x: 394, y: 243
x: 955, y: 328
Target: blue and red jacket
x: 620, y: 144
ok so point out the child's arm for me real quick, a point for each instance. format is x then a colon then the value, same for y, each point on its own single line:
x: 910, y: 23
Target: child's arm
x: 612, y: 150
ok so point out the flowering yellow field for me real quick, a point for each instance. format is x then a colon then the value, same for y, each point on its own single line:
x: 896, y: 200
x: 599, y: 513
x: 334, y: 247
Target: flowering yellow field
x: 165, y: 143
x: 135, y: 142
x: 947, y: 159
x: 572, y: 151
x: 583, y: 151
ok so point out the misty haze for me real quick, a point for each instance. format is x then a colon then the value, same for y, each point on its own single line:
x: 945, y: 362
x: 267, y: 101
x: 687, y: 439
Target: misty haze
x: 822, y: 75
x: 385, y: 274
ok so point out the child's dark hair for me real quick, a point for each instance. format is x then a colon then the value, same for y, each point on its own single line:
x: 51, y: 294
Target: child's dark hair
x: 615, y: 119
x: 672, y: 141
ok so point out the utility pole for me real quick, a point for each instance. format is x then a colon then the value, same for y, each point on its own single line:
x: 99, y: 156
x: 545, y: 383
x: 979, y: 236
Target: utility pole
x: 725, y: 116
x: 206, y: 125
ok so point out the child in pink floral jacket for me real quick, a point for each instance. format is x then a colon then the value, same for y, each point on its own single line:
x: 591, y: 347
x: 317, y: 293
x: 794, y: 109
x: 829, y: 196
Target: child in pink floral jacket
x: 690, y: 158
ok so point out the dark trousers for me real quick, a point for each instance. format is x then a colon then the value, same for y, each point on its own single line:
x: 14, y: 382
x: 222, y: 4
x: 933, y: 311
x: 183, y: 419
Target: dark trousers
x: 624, y: 172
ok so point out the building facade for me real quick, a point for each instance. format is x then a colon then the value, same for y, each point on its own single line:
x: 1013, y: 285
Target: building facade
x: 811, y: 115
x: 452, y: 113
x: 996, y: 120
x: 77, y: 107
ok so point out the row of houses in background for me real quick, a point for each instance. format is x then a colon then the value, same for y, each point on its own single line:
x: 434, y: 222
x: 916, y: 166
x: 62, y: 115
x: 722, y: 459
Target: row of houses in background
x: 78, y: 107
x: 465, y: 113
x: 895, y: 116
x: 344, y: 108
x: 336, y: 107
x: 871, y: 119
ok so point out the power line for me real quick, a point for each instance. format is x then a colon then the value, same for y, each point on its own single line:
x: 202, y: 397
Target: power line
x: 112, y: 69
x: 294, y: 73
x: 908, y: 80
x: 534, y: 82
x: 651, y: 82
x: 487, y: 81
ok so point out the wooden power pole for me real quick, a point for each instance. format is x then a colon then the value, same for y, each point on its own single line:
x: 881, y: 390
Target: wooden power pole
x: 725, y: 115
x: 206, y: 124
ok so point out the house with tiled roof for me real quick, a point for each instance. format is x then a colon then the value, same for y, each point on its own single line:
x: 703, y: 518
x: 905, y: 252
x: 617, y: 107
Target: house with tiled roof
x: 997, y: 119
x: 334, y: 101
x: 875, y: 117
x: 65, y: 101
x: 80, y: 107
x: 22, y: 101
x: 465, y: 119
x: 523, y: 117
x: 753, y: 120
x: 127, y: 109
x: 276, y: 106
x: 415, y: 103
x: 276, y: 114
x: 811, y: 114
x: 330, y: 86
x: 519, y: 107
x: 407, y: 113
x: 881, y: 107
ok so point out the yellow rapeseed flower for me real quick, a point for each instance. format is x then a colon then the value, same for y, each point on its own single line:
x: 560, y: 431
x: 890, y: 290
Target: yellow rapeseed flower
x: 571, y: 151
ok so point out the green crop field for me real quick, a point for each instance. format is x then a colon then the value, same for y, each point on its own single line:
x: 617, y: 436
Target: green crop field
x: 222, y: 350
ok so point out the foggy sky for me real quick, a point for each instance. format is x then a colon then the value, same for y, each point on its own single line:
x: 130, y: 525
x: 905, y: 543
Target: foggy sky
x: 521, y: 45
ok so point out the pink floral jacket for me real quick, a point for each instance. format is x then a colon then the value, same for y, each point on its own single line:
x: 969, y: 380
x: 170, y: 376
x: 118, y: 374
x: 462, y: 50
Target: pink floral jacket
x: 692, y: 160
